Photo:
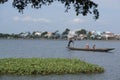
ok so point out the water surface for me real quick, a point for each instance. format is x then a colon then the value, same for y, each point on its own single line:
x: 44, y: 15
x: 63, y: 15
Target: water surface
x: 57, y: 49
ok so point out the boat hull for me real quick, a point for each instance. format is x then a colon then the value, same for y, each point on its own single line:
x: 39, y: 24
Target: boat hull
x: 96, y: 50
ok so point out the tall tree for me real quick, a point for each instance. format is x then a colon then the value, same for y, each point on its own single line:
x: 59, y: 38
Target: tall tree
x: 89, y: 34
x: 43, y: 34
x: 66, y: 31
x: 82, y: 31
x: 56, y: 35
x: 80, y: 6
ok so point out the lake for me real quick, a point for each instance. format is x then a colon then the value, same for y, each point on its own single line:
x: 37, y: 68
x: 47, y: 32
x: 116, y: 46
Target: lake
x: 57, y: 49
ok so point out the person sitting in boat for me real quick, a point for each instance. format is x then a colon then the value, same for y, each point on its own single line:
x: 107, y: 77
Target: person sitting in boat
x: 87, y: 46
x: 70, y: 41
x: 94, y: 46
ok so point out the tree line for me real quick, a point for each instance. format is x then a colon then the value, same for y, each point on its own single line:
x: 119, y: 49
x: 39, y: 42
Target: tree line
x: 38, y: 34
x: 66, y: 34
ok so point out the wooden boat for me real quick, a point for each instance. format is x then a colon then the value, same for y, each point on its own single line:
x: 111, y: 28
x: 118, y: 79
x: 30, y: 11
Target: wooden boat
x: 96, y: 50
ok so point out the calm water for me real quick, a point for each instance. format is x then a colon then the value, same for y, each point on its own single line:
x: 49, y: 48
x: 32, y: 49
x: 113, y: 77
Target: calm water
x: 57, y: 48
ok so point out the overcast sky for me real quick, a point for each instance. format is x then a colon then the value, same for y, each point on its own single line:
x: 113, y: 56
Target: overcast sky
x: 53, y: 17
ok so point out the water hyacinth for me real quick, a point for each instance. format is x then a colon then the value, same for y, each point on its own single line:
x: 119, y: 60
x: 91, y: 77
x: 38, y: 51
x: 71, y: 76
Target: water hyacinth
x: 45, y: 66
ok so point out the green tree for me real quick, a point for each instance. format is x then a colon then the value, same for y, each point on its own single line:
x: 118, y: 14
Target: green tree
x: 80, y: 6
x: 89, y: 34
x: 43, y: 34
x: 65, y: 33
x: 56, y: 35
x: 82, y: 31
x: 55, y: 32
x: 4, y: 35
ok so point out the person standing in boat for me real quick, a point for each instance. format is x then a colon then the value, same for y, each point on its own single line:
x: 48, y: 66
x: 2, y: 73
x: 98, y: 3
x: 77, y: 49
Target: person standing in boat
x: 70, y: 41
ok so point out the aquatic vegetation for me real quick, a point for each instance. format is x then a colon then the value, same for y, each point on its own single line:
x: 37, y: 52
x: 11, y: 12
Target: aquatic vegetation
x: 45, y: 66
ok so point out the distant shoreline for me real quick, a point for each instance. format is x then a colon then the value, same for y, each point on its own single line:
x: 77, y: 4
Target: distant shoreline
x: 52, y: 39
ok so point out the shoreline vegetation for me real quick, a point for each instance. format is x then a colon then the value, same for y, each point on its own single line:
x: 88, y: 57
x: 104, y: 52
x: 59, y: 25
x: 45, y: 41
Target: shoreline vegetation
x: 81, y: 34
x: 46, y: 66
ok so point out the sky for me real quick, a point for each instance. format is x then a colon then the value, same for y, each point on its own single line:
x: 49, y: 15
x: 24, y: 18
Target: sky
x: 53, y: 17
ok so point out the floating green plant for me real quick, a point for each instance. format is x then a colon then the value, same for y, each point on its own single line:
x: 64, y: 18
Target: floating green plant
x: 28, y: 66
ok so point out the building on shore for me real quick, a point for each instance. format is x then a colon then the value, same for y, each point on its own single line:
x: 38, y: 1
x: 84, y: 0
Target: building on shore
x: 108, y: 35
